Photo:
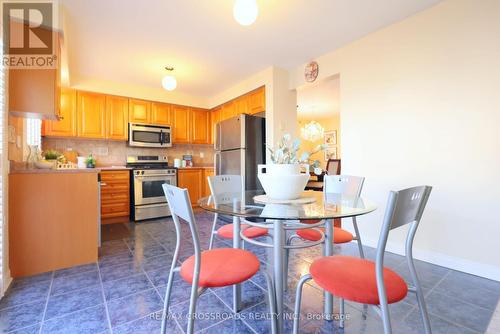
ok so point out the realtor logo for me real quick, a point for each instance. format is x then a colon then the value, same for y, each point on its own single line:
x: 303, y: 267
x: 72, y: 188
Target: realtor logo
x: 29, y: 34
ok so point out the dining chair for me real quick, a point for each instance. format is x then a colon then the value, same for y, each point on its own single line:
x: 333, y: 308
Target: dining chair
x: 346, y: 185
x: 206, y: 269
x: 332, y: 168
x: 221, y: 184
x: 368, y: 282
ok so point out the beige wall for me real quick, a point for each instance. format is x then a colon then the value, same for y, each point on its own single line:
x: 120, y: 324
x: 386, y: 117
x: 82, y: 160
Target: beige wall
x: 329, y: 124
x: 420, y: 104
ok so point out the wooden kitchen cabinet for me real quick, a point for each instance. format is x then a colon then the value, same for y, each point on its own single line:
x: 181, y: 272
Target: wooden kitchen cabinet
x: 115, y: 196
x: 228, y: 110
x: 206, y: 173
x: 66, y: 125
x: 116, y: 117
x: 91, y: 115
x: 181, y: 124
x: 200, y: 126
x: 35, y: 93
x: 191, y: 179
x: 139, y: 111
x: 256, y: 101
x: 53, y: 217
x: 241, y: 105
x: 161, y: 113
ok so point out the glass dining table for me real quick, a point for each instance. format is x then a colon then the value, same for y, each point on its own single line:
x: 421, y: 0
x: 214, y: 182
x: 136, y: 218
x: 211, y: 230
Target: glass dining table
x: 282, y: 217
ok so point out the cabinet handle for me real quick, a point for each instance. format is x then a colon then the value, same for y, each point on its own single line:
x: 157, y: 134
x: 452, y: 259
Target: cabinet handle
x: 103, y: 184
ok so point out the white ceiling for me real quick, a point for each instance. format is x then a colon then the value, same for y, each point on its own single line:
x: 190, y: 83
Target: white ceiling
x: 319, y: 101
x: 130, y: 41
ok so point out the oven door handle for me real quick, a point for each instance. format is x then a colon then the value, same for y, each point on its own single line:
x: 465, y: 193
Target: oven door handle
x: 153, y: 175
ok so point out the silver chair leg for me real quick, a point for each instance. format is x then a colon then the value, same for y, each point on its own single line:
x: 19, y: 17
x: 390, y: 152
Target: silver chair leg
x: 272, y: 302
x: 167, y: 300
x: 192, y: 308
x: 287, y: 256
x: 342, y: 312
x: 213, y: 232
x: 298, y: 299
x: 420, y: 298
x: 358, y: 238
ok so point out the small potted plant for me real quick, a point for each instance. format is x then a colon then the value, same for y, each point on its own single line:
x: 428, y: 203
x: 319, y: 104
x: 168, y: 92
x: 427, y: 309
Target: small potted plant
x: 49, y: 160
x: 283, y: 179
x: 90, y: 161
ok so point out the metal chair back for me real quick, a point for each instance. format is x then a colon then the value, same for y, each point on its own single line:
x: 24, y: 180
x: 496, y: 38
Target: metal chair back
x: 403, y: 207
x: 344, y: 184
x: 221, y: 184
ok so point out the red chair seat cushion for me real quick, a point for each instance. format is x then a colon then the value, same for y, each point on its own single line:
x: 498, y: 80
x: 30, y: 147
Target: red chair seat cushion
x: 226, y: 231
x: 354, y: 279
x: 340, y: 236
x: 222, y: 267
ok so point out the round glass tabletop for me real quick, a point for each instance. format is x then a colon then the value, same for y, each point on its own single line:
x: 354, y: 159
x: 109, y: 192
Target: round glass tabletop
x: 323, y: 206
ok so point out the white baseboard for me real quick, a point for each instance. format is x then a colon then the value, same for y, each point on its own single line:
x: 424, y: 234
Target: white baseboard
x: 467, y: 266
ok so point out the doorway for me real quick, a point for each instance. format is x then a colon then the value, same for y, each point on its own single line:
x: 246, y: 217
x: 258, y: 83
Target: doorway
x: 318, y: 117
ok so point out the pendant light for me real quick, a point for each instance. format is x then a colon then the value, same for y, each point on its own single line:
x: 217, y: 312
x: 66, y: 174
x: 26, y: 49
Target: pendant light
x: 169, y: 82
x: 245, y: 11
x: 312, y: 131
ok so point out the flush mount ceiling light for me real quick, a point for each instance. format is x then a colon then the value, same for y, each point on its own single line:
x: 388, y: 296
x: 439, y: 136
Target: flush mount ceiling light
x: 169, y: 82
x: 245, y: 11
x: 312, y: 131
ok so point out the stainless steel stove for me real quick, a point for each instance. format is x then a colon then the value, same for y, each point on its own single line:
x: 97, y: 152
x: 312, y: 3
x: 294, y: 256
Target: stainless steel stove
x: 150, y: 172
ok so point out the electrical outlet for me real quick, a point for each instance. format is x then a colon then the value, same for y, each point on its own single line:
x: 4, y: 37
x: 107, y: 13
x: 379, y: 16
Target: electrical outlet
x: 202, y: 155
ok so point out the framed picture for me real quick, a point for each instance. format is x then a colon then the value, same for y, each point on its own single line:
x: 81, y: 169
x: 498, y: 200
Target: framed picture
x: 330, y: 153
x: 331, y: 138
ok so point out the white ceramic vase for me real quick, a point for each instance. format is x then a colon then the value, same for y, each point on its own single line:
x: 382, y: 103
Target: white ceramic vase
x: 283, y: 181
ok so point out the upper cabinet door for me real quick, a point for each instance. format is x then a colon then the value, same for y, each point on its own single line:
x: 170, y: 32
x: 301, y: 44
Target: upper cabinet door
x: 139, y: 111
x: 200, y: 126
x: 161, y: 114
x: 116, y: 117
x: 91, y: 111
x: 257, y: 101
x: 228, y: 110
x: 241, y: 104
x: 66, y: 126
x: 180, y: 124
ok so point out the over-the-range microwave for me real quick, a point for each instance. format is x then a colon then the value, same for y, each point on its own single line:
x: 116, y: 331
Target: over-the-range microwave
x: 149, y: 135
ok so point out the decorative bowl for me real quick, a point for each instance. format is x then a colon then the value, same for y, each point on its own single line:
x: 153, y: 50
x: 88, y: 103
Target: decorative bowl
x: 44, y: 164
x: 283, y: 182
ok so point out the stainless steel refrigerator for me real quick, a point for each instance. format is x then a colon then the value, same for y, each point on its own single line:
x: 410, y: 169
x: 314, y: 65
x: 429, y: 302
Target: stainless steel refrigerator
x: 240, y: 147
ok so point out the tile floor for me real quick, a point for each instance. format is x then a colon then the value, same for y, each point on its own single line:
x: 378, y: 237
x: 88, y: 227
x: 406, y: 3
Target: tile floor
x: 123, y: 292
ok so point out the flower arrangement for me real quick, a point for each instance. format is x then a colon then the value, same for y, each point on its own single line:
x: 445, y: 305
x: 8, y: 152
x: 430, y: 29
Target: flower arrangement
x: 287, y: 150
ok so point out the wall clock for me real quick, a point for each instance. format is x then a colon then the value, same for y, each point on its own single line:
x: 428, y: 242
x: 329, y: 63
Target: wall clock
x: 311, y: 71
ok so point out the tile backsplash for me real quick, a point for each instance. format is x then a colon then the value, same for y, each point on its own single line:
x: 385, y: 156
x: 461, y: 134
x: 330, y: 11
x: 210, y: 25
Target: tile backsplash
x: 108, y: 152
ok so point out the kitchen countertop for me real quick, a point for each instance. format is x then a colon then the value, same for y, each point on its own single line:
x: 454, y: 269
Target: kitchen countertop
x: 62, y: 171
x: 196, y: 167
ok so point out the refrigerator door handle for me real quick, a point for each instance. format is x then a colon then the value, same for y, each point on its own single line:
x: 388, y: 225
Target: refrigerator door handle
x: 218, y: 135
x: 217, y: 163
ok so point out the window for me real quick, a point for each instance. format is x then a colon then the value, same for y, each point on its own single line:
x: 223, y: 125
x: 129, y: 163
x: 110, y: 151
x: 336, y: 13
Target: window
x: 33, y: 132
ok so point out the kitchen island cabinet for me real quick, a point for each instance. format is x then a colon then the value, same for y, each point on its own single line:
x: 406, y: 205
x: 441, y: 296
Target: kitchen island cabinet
x: 53, y: 220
